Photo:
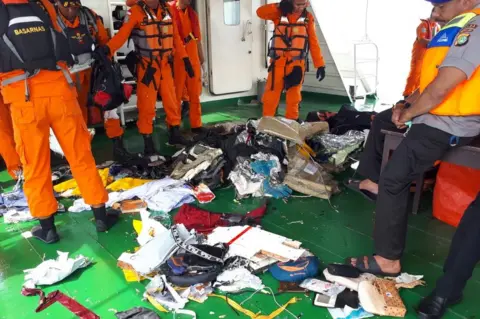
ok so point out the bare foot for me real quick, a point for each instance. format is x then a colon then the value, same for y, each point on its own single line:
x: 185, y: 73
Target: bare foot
x: 388, y: 266
x: 370, y: 186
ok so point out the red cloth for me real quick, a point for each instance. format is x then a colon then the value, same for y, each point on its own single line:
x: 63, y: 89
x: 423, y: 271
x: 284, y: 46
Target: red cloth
x: 193, y: 20
x: 204, y: 221
x: 456, y: 187
x: 57, y: 296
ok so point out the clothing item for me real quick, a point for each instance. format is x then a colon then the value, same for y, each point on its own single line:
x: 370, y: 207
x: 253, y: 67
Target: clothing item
x: 7, y: 146
x: 371, y: 158
x: 425, y: 32
x: 463, y: 255
x: 32, y: 122
x: 163, y: 195
x: 112, y: 124
x: 194, y: 160
x: 73, y: 184
x: 246, y: 181
x: 418, y: 152
x: 126, y: 184
x: 13, y: 216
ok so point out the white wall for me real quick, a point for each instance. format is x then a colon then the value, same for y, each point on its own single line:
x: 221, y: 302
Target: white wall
x: 391, y: 25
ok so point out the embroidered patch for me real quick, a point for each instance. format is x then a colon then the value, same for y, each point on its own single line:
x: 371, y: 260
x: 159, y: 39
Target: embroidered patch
x: 462, y: 39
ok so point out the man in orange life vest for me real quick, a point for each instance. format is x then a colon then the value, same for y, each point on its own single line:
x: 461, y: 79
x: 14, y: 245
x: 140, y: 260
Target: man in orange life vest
x: 425, y: 32
x: 84, y: 30
x: 445, y: 114
x: 156, y: 39
x: 35, y: 81
x: 189, y: 30
x: 7, y: 144
x: 293, y: 37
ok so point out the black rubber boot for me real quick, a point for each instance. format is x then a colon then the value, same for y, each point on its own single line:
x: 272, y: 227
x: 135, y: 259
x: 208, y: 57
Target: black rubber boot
x: 105, y: 220
x: 175, y: 138
x: 149, y: 146
x: 185, y: 109
x: 46, y: 232
x: 120, y: 154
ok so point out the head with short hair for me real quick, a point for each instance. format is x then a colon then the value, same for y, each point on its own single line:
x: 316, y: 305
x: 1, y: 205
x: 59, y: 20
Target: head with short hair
x: 446, y: 10
x: 69, y: 8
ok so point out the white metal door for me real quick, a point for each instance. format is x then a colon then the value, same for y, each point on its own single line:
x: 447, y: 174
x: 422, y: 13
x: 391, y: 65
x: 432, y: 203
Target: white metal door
x: 230, y: 46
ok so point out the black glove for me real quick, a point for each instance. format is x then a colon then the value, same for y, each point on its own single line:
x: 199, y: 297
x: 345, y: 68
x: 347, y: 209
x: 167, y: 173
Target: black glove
x: 321, y: 73
x: 286, y: 6
x: 189, y: 67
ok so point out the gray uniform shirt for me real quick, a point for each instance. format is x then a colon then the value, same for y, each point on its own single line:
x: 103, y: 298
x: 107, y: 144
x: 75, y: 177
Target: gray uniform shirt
x: 467, y: 59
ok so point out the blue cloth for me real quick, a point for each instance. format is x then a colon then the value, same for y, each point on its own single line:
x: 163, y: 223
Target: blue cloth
x: 276, y: 191
x: 263, y: 167
x: 15, y: 199
x: 438, y: 1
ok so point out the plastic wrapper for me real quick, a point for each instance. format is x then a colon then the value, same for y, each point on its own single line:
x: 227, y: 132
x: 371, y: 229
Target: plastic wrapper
x: 335, y: 143
x: 455, y: 189
x: 322, y: 287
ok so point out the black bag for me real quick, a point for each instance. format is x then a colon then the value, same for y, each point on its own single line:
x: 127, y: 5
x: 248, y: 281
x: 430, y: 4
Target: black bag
x: 107, y: 90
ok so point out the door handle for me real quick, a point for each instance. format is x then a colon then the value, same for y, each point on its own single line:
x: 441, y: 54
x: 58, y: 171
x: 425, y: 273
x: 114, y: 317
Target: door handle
x: 247, y: 30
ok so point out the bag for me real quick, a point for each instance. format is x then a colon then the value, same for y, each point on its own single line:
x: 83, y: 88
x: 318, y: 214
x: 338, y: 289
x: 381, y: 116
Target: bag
x: 189, y: 268
x: 455, y: 189
x: 296, y: 271
x: 107, y: 90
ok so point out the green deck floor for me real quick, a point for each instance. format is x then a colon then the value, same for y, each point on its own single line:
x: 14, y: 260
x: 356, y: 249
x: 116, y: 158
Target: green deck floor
x: 331, y: 235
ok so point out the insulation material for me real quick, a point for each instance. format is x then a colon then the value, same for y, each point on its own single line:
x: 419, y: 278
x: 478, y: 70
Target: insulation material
x: 291, y: 130
x: 455, y: 189
x: 247, y: 241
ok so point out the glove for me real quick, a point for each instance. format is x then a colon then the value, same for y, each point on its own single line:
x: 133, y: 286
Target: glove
x: 286, y: 6
x: 189, y: 67
x: 204, y: 76
x: 321, y: 73
x: 276, y: 191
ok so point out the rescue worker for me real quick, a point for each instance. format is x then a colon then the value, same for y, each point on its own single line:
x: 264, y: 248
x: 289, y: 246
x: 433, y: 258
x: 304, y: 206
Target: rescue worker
x: 85, y: 31
x: 7, y: 143
x: 425, y: 32
x: 149, y: 24
x: 35, y: 81
x: 292, y: 39
x: 445, y: 115
x: 188, y: 89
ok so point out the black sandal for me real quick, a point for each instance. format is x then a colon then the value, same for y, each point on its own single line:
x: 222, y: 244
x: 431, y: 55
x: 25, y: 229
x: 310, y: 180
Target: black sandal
x: 354, y: 185
x: 369, y: 266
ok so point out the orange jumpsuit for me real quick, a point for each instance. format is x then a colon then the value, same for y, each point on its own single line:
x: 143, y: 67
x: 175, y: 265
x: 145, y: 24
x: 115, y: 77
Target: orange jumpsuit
x: 182, y: 80
x: 425, y: 32
x: 7, y: 143
x: 53, y: 104
x: 83, y: 79
x: 284, y: 65
x: 162, y: 78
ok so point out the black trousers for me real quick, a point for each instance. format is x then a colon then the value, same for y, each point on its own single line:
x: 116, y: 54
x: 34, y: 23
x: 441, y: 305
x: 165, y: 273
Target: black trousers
x: 371, y: 158
x: 418, y: 151
x: 464, y: 254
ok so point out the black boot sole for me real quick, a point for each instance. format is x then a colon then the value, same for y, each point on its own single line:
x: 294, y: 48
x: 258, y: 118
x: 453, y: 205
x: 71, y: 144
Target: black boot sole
x: 51, y: 238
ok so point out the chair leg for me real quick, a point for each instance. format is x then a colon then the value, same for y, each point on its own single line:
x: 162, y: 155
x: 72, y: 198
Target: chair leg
x: 418, y: 193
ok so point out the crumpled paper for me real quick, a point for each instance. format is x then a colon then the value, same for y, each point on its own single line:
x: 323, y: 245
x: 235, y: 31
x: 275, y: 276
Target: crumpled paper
x: 52, y: 271
x: 236, y: 280
x: 322, y: 287
x: 408, y: 281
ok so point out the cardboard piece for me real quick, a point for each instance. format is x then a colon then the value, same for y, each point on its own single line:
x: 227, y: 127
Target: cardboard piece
x: 291, y: 130
x: 381, y: 297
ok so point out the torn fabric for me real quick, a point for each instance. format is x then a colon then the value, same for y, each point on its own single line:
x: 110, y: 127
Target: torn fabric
x: 52, y: 271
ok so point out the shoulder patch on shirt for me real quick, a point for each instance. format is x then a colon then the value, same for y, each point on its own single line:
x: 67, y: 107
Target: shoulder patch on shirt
x: 462, y: 39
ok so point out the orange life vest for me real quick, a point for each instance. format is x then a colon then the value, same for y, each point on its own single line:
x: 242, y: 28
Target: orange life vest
x: 154, y: 38
x: 290, y: 39
x: 464, y: 100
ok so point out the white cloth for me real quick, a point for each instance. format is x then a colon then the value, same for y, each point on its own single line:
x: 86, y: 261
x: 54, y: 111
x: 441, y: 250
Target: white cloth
x: 237, y: 279
x: 111, y: 115
x: 79, y: 206
x: 13, y: 216
x: 52, y: 271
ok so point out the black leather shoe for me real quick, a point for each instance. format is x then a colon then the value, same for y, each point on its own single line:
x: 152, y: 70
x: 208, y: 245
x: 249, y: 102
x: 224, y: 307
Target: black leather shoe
x: 434, y: 307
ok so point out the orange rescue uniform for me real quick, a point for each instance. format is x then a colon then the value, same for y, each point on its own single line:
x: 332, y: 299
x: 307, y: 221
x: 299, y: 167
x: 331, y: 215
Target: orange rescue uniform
x: 425, y: 32
x: 283, y: 65
x: 7, y: 143
x: 157, y: 62
x: 83, y: 79
x: 53, y: 104
x: 187, y: 88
